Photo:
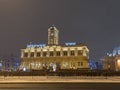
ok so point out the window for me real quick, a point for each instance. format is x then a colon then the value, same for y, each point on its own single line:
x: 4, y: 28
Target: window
x: 65, y: 64
x: 72, y: 64
x: 58, y: 53
x: 80, y: 63
x: 51, y: 53
x: 44, y: 54
x: 72, y: 53
x: 25, y: 54
x: 32, y: 54
x: 80, y: 52
x: 65, y: 53
x: 38, y: 54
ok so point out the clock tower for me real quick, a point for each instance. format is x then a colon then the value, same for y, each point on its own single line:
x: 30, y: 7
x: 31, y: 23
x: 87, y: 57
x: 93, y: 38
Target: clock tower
x: 53, y: 36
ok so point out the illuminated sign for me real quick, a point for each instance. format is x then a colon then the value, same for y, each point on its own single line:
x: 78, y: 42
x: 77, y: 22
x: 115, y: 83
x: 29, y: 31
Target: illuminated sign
x: 70, y: 43
x: 35, y: 45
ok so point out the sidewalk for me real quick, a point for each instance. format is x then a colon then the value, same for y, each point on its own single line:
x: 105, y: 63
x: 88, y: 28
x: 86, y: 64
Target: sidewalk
x: 57, y: 79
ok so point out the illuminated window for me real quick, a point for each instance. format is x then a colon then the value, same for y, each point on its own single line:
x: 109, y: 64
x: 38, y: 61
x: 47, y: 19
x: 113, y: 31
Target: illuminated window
x: 44, y: 54
x: 58, y: 53
x: 32, y: 54
x: 72, y: 53
x: 38, y: 65
x: 51, y: 53
x: 44, y: 65
x: 80, y: 63
x: 65, y: 53
x: 32, y: 65
x: 25, y: 54
x: 38, y: 54
x: 118, y: 63
x: 65, y: 64
x: 72, y: 64
x: 80, y: 52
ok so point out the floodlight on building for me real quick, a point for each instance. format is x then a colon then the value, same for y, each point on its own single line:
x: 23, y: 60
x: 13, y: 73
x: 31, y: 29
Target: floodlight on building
x: 118, y: 63
x: 118, y: 60
x: 24, y: 69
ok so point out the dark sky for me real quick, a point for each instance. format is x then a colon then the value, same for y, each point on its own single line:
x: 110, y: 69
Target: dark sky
x: 95, y: 23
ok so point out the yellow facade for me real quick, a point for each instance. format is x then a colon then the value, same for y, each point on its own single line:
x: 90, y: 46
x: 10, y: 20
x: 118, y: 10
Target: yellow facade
x: 108, y: 63
x: 117, y: 62
x: 71, y: 57
x: 54, y: 56
x: 111, y: 63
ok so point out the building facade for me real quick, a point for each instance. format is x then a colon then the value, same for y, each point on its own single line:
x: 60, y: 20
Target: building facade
x: 112, y: 61
x: 108, y: 63
x: 53, y: 56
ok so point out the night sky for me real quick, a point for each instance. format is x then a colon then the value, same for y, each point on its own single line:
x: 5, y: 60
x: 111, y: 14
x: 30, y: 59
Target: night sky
x: 95, y: 23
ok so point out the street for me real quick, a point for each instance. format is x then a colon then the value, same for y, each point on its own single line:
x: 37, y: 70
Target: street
x: 60, y: 86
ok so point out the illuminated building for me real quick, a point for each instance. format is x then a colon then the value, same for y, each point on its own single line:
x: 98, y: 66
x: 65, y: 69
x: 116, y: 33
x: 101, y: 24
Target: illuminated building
x: 117, y: 62
x: 54, y: 56
x: 108, y: 63
x: 112, y: 61
x: 116, y: 54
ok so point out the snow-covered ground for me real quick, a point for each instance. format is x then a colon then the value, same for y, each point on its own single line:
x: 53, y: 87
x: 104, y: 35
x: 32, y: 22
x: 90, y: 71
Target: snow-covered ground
x: 52, y: 79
